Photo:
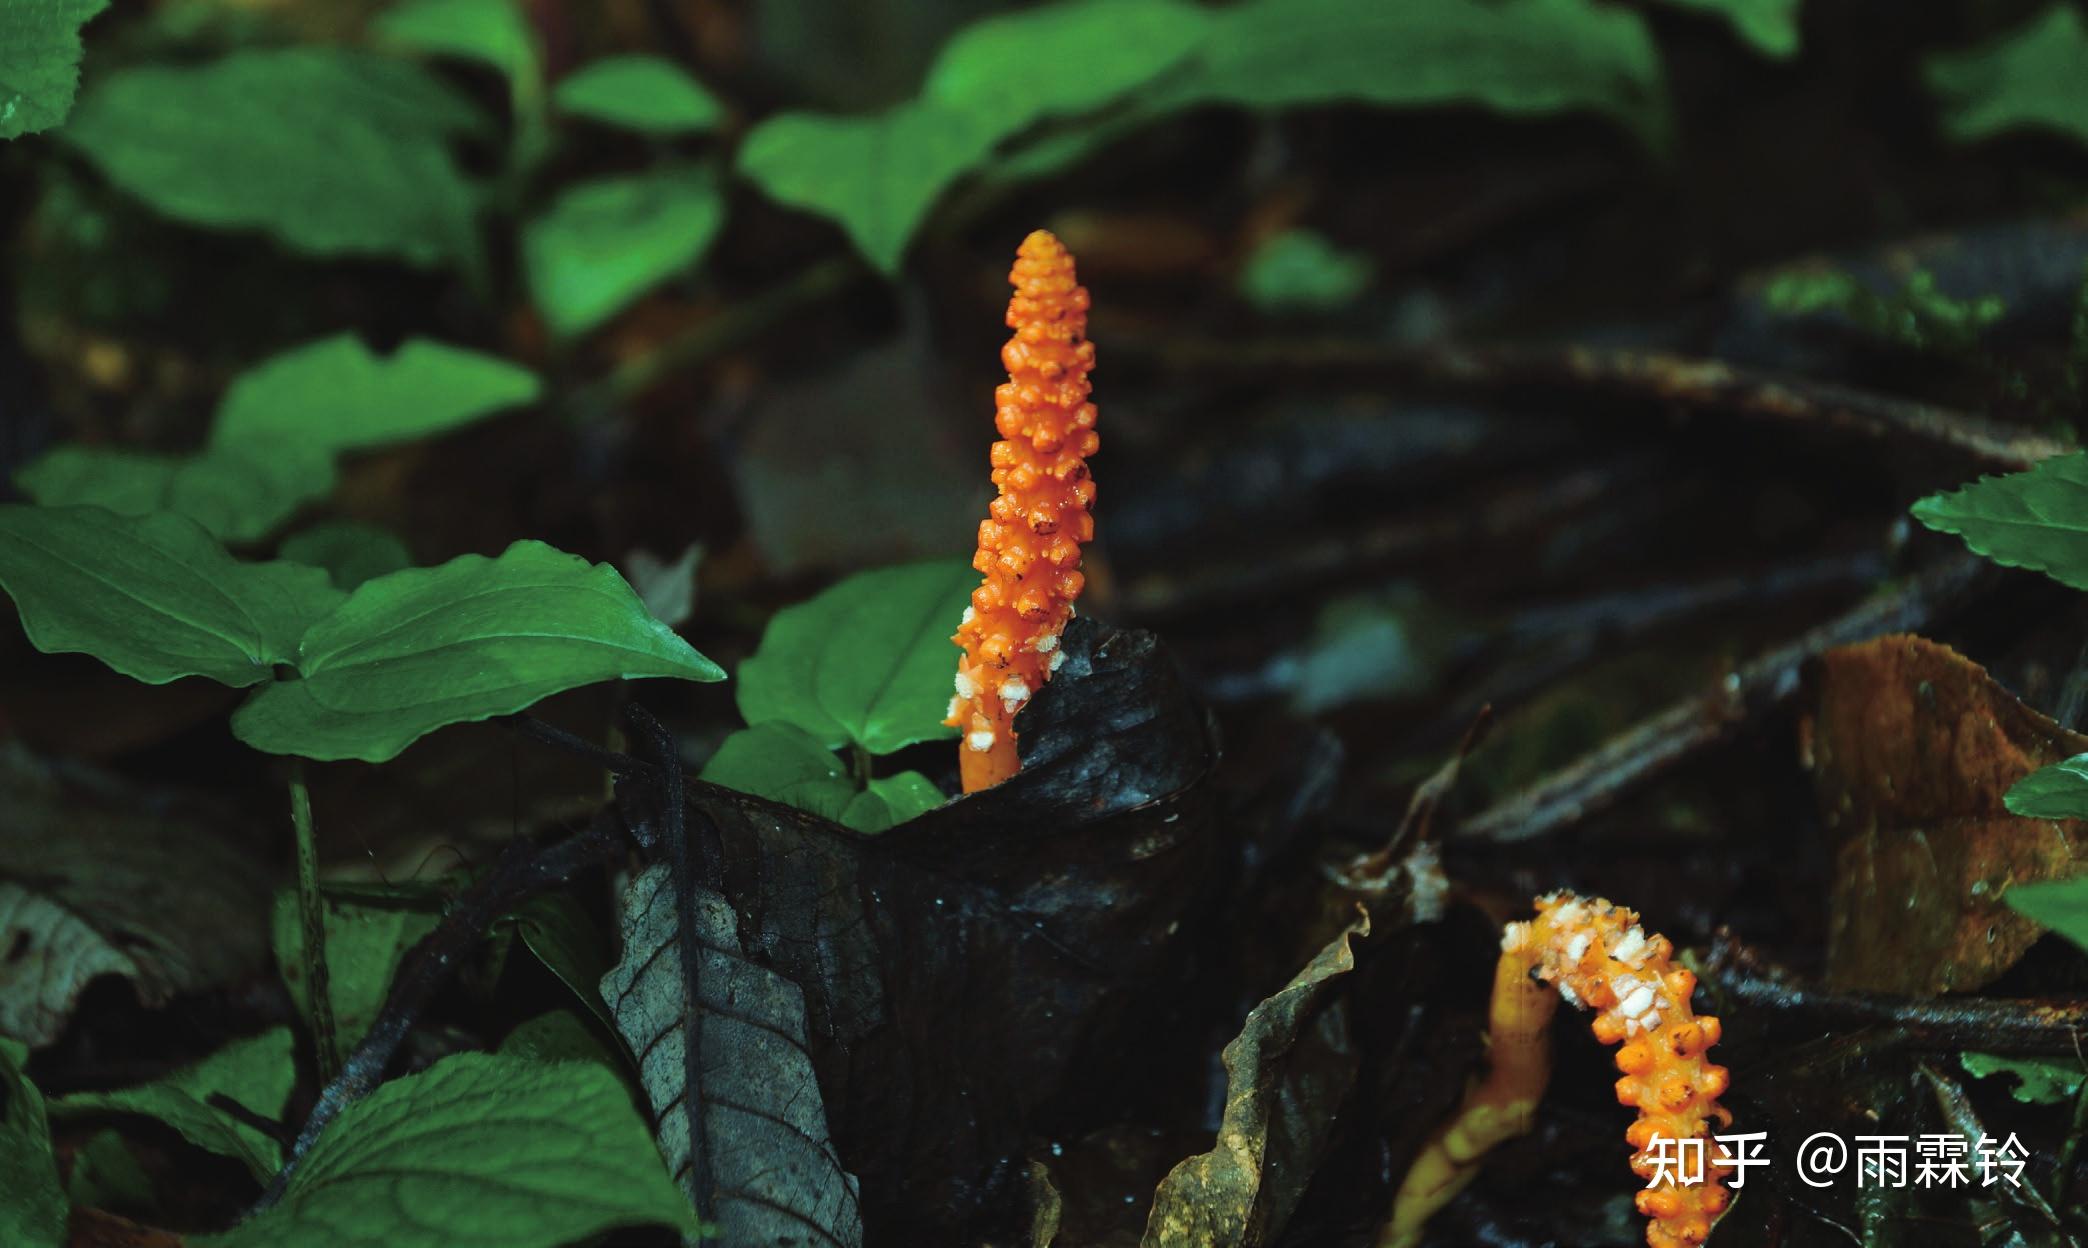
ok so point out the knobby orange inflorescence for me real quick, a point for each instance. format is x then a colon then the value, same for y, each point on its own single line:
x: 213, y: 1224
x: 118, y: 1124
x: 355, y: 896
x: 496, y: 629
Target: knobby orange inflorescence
x: 1029, y: 544
x: 1601, y: 959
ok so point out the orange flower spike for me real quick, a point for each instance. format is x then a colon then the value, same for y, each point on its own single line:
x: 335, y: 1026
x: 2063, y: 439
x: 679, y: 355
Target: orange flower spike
x: 1601, y: 959
x: 1029, y: 544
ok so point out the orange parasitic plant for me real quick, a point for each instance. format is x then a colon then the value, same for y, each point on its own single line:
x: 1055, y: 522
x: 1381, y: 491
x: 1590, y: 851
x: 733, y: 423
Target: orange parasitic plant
x: 1029, y: 544
x: 1598, y: 957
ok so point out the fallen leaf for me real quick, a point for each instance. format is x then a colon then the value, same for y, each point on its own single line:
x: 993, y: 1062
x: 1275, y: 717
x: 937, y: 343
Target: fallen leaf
x: 1287, y: 1073
x: 1010, y: 950
x: 1912, y: 747
x: 774, y: 1176
x: 105, y: 883
x: 96, y: 1228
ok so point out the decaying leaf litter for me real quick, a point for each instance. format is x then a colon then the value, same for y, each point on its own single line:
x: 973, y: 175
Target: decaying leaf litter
x: 1607, y: 420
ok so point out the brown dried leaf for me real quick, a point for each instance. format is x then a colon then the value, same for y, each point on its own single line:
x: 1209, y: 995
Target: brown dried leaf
x: 1912, y: 746
x: 1287, y: 1073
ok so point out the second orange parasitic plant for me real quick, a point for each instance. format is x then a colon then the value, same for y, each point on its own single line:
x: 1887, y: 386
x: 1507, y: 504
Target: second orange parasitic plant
x: 1029, y: 544
x: 1599, y: 958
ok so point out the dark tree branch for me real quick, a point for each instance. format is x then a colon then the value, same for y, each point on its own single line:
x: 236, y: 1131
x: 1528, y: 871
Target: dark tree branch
x: 1598, y: 780
x: 1681, y: 382
x: 616, y: 764
x: 2030, y: 1027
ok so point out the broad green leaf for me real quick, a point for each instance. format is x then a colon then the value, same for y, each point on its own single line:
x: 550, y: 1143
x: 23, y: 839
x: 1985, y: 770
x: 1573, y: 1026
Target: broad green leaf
x: 333, y: 152
x: 649, y: 94
x: 414, y: 650
x: 606, y: 242
x: 106, y: 1175
x: 350, y: 552
x: 783, y: 763
x: 335, y: 394
x: 1770, y: 26
x: 1300, y: 271
x: 2036, y: 519
x: 1067, y: 58
x: 366, y: 935
x: 876, y: 176
x: 40, y: 61
x: 2035, y: 77
x: 478, y: 1151
x: 559, y: 933
x: 2059, y: 791
x: 238, y: 493
x: 559, y: 1036
x: 2061, y: 905
x: 490, y: 31
x: 154, y: 596
x: 890, y: 801
x: 1520, y: 57
x: 32, y: 1204
x: 867, y: 662
x: 2039, y: 1081
x: 257, y: 1072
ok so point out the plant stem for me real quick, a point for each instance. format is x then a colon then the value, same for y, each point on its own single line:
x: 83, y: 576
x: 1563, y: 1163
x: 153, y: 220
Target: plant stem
x: 2062, y: 1177
x: 326, y: 1040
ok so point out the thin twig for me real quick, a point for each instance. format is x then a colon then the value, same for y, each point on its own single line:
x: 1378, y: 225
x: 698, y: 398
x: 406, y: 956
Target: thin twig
x: 611, y: 761
x: 311, y: 910
x: 1684, y: 382
x: 2026, y: 1027
x: 521, y: 872
x: 1598, y: 780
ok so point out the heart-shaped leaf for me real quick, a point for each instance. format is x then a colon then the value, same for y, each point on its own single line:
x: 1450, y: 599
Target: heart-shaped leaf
x: 648, y: 94
x: 154, y: 596
x: 868, y: 662
x: 417, y: 649
x: 783, y: 762
x: 606, y: 242
x: 239, y: 492
x: 337, y: 395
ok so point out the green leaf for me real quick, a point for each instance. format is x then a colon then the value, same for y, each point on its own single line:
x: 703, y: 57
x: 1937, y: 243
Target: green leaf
x: 238, y: 493
x: 40, y: 61
x: 2061, y: 905
x: 2035, y: 77
x: 649, y: 94
x: 783, y: 763
x: 489, y: 31
x: 415, y: 650
x: 868, y: 662
x: 153, y: 596
x: 2059, y: 791
x: 2038, y: 1081
x: 335, y: 394
x: 606, y: 242
x: 2036, y: 519
x: 559, y: 933
x: 106, y: 1175
x: 1519, y: 57
x: 560, y: 1036
x: 1300, y: 271
x: 479, y: 1151
x: 257, y: 1072
x: 1769, y: 26
x: 350, y: 552
x: 332, y: 152
x: 890, y: 801
x: 366, y: 935
x: 32, y: 1204
x: 993, y: 68
x: 876, y: 176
